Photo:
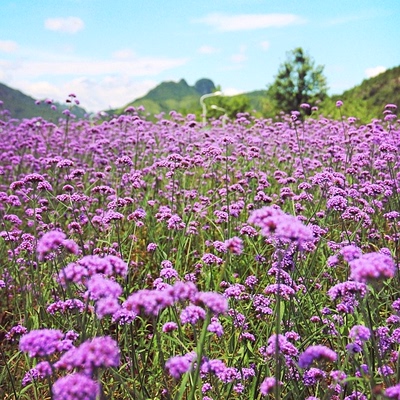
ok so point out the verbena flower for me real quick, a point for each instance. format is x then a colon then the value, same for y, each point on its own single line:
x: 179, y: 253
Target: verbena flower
x: 282, y: 290
x: 234, y: 245
x: 284, y: 346
x: 316, y: 353
x: 192, y: 314
x: 49, y: 242
x: 99, y: 352
x: 178, y: 365
x: 313, y: 376
x: 267, y: 386
x: 99, y: 287
x: 215, y: 327
x: 360, y: 332
x: 276, y: 224
x: 15, y: 332
x: 169, y: 327
x: 41, y: 343
x: 214, y: 301
x: 372, y: 267
x: 75, y: 387
x: 150, y: 302
x: 393, y: 392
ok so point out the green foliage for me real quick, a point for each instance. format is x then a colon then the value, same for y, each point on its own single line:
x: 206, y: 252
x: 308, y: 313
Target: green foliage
x: 298, y: 81
x: 228, y: 105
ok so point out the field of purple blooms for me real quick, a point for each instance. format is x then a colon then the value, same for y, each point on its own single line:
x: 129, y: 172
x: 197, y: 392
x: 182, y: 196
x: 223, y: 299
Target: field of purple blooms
x: 170, y: 260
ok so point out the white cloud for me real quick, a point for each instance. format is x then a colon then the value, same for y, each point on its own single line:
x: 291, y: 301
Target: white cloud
x: 265, y: 45
x: 374, y: 71
x: 243, y: 22
x: 207, y: 50
x: 123, y: 54
x: 239, y: 58
x: 8, y: 46
x: 99, y: 83
x: 67, y: 25
x: 94, y: 95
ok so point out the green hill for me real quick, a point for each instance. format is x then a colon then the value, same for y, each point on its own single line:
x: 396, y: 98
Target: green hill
x: 367, y: 100
x: 16, y: 104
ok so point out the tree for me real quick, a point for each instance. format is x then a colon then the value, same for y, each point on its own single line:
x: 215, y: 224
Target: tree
x: 298, y: 81
x: 228, y: 105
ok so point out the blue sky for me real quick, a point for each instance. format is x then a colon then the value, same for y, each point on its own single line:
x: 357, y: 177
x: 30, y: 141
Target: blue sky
x: 110, y: 52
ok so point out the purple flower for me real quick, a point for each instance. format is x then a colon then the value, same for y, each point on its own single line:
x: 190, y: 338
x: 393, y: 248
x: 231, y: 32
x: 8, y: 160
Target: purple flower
x: 41, y: 343
x: 371, y: 267
x: 339, y: 103
x: 313, y: 375
x: 360, y: 332
x: 62, y: 306
x: 234, y: 245
x: 75, y: 387
x: 169, y: 273
x: 14, y: 331
x: 276, y: 224
x: 151, y: 302
x: 350, y: 252
x: 107, y: 306
x: 282, y: 290
x: 215, y: 327
x: 49, y: 242
x: 191, y: 314
x: 214, y: 301
x: 317, y: 352
x: 169, y: 327
x: 178, y: 365
x: 385, y: 370
x: 267, y: 386
x: 40, y: 371
x: 251, y: 281
x: 348, y: 288
x: 210, y: 259
x: 284, y: 346
x: 393, y: 392
x: 99, y: 287
x: 151, y: 247
x: 99, y: 352
x: 337, y: 203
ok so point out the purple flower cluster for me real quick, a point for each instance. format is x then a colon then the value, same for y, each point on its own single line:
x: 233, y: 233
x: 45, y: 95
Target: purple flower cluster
x: 78, y: 272
x: 316, y: 353
x: 99, y: 352
x: 372, y: 267
x: 178, y: 365
x: 51, y: 241
x: 274, y: 223
x: 41, y: 343
x: 76, y: 386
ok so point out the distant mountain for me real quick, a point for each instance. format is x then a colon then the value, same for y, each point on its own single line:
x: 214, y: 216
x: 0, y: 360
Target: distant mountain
x: 18, y: 105
x: 178, y: 96
x: 365, y: 101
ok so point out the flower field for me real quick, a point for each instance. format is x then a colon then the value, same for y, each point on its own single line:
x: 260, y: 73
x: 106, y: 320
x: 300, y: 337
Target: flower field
x: 253, y: 259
